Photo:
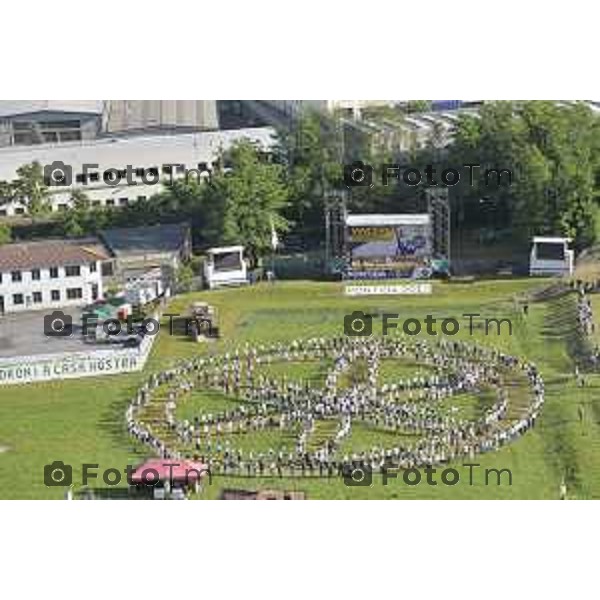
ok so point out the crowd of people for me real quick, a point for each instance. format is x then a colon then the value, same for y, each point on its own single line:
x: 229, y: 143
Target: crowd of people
x: 585, y: 316
x: 587, y: 326
x: 418, y: 408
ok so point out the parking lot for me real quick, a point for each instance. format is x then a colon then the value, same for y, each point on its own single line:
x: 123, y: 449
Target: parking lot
x: 22, y: 334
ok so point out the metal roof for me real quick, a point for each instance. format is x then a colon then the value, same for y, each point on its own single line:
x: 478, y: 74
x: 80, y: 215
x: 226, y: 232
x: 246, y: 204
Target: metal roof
x: 23, y: 256
x: 14, y: 108
x: 127, y: 241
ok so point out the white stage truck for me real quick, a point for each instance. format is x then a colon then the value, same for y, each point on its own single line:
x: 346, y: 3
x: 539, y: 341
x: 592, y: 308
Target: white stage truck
x: 551, y: 256
x: 225, y: 266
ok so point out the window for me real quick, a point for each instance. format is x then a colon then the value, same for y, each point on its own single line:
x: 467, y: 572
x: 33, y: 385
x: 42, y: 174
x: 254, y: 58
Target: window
x: 94, y: 177
x: 16, y: 276
x: 53, y: 272
x: 73, y: 271
x: 139, y: 172
x: 17, y: 298
x: 37, y: 297
x: 123, y: 201
x: 93, y: 267
x: 549, y: 251
x: 96, y: 203
x: 110, y: 202
x: 141, y: 198
x: 19, y: 211
x: 181, y: 168
x: 167, y: 169
x: 227, y: 261
x: 63, y: 206
x: 35, y: 274
x: 203, y: 166
x: 152, y: 171
x: 3, y: 212
x: 81, y: 178
x: 74, y: 293
x: 55, y: 295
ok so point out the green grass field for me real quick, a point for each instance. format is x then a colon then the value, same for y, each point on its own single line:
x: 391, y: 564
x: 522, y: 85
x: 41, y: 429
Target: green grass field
x: 81, y: 421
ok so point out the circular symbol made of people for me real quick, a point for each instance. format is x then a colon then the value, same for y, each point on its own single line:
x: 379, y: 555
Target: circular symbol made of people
x: 319, y: 406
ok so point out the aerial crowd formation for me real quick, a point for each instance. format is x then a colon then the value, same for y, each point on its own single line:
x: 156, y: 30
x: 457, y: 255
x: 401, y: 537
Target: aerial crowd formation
x: 415, y: 420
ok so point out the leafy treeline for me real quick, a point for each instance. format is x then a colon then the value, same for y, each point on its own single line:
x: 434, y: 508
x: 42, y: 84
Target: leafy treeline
x: 552, y: 149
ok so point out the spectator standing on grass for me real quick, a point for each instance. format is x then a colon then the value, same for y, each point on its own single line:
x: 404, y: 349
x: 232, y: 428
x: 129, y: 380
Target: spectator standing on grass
x: 563, y: 489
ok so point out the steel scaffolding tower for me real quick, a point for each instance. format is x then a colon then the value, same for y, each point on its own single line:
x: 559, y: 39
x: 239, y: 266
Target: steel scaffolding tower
x: 438, y: 206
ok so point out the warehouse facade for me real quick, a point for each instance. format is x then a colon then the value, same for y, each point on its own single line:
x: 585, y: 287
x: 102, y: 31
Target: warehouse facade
x: 140, y: 162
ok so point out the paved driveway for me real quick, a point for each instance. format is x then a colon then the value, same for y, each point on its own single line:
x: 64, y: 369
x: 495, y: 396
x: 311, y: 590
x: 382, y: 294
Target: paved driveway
x: 23, y: 335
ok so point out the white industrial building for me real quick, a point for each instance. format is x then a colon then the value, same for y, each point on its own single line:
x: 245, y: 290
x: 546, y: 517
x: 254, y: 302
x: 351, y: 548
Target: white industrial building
x: 136, y: 115
x: 50, y: 274
x: 148, y: 155
x: 32, y: 122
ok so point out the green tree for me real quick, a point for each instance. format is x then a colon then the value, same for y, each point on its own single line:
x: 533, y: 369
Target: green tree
x: 184, y: 277
x: 31, y: 187
x: 249, y: 199
x: 312, y: 154
x: 553, y: 153
x: 186, y: 199
x: 80, y: 201
x: 7, y: 192
x: 5, y: 234
x: 76, y: 221
x: 418, y: 106
x: 71, y: 225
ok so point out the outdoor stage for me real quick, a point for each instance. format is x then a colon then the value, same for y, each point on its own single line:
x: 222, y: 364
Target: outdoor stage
x: 387, y: 246
x: 371, y: 247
